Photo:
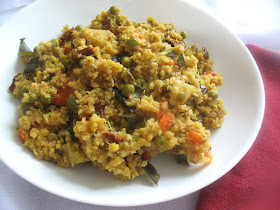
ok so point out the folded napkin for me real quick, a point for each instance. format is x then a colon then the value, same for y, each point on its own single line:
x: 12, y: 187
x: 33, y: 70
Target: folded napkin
x: 254, y: 183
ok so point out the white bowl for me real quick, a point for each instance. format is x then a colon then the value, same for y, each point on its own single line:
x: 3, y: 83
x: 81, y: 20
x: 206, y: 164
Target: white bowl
x: 243, y: 95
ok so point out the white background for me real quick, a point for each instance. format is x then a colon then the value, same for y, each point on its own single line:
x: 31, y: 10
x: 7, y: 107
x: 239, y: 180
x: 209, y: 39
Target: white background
x: 254, y: 21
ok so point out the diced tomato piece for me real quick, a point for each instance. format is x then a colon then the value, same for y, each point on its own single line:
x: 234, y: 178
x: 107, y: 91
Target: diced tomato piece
x: 146, y: 157
x: 22, y: 135
x: 67, y: 50
x: 63, y: 94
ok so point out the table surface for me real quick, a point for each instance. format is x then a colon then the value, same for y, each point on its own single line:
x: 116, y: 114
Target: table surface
x: 257, y: 22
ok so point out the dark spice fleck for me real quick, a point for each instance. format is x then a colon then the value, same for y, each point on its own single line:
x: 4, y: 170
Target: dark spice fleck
x: 51, y: 75
x: 204, y: 89
x: 171, y: 43
x: 99, y: 108
x: 58, y: 151
x: 181, y: 159
x: 68, y: 35
x: 205, y: 53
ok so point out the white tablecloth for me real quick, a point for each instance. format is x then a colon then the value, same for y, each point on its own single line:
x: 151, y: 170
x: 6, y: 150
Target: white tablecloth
x: 255, y: 22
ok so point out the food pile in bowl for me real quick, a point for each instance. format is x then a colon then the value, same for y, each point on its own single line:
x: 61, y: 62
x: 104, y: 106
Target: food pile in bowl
x: 115, y: 94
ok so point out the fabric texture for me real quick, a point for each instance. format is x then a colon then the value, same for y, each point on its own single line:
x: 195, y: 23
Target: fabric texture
x: 254, y: 183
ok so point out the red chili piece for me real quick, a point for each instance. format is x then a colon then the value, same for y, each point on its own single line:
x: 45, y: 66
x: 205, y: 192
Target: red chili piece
x: 113, y: 137
x: 13, y: 85
x: 99, y: 108
x: 63, y: 94
x: 87, y: 51
x: 68, y: 35
x: 210, y: 72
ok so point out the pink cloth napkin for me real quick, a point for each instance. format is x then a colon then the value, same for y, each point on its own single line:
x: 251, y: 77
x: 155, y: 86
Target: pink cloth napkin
x: 254, y: 183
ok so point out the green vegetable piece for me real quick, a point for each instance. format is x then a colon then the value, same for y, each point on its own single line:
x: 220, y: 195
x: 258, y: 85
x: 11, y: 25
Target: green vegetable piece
x: 181, y: 60
x: 23, y: 90
x: 171, y: 54
x: 113, y: 10
x: 72, y: 104
x: 23, y: 46
x: 71, y: 131
x: 28, y: 53
x: 24, y: 50
x: 122, y: 99
x: 24, y: 107
x: 128, y: 89
x: 31, y: 66
x: 138, y: 92
x: 124, y: 124
x: 79, y: 28
x: 132, y: 42
x: 152, y: 172
x: 134, y: 138
x: 35, y: 49
x: 118, y: 20
x: 122, y: 38
x: 132, y: 122
x: 213, y: 94
x: 89, y: 163
x: 126, y: 61
x: 161, y: 141
x: 46, y: 100
x: 32, y: 98
x: 55, y: 42
x: 195, y: 103
x: 116, y: 58
x: 204, y: 89
x: 126, y: 70
x: 162, y: 49
x: 65, y: 62
x: 181, y: 96
x: 141, y: 83
x: 182, y: 159
x: 183, y: 34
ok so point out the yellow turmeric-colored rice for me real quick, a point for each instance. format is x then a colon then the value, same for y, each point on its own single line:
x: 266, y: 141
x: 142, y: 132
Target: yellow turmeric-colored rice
x: 116, y: 94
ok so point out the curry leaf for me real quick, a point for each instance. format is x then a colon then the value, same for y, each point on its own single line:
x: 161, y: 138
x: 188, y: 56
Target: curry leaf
x: 152, y: 172
x: 181, y: 60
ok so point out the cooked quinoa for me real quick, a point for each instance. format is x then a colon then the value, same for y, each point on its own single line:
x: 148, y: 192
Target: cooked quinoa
x: 117, y: 93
